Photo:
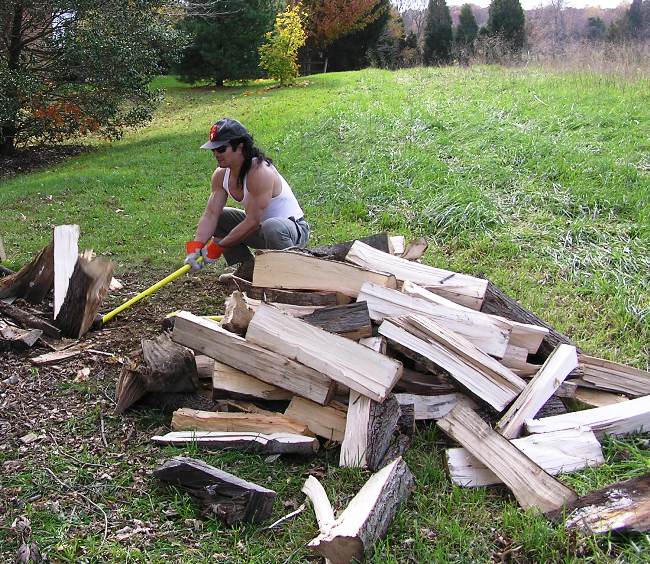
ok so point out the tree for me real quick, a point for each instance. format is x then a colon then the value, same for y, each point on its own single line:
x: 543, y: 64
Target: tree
x: 467, y: 28
x: 634, y: 19
x: 437, y: 34
x: 279, y: 54
x: 330, y: 20
x: 225, y: 38
x: 73, y: 67
x: 506, y: 20
x: 596, y: 29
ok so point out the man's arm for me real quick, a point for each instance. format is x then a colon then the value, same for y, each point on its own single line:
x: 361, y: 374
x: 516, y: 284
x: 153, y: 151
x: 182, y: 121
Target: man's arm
x: 260, y: 191
x: 213, y: 209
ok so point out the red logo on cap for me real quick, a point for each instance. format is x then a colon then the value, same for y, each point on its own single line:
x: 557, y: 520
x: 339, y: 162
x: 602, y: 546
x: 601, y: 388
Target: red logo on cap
x: 213, y: 132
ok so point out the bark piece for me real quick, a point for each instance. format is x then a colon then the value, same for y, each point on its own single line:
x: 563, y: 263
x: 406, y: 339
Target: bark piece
x: 275, y: 295
x: 15, y: 338
x: 531, y: 485
x: 369, y: 430
x: 261, y: 443
x: 29, y: 321
x: 230, y: 382
x: 209, y: 338
x: 87, y: 289
x: 298, y: 271
x: 618, y: 419
x: 415, y: 249
x: 433, y: 407
x: 459, y: 288
x: 66, y: 251
x: 623, y: 507
x: 488, y: 334
x: 483, y: 376
x: 344, y: 361
x: 351, y: 321
x: 557, y: 367
x: 424, y: 383
x: 58, y: 356
x: 224, y: 495
x: 325, y: 421
x: 196, y: 420
x: 557, y: 452
x: 33, y: 281
x: 367, y: 517
x: 497, y: 302
x: 379, y: 241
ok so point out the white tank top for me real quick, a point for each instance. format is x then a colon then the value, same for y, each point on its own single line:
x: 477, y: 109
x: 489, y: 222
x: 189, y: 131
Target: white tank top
x: 284, y: 205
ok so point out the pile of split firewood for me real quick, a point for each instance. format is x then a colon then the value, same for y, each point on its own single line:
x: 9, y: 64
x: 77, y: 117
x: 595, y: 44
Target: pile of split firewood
x: 357, y: 342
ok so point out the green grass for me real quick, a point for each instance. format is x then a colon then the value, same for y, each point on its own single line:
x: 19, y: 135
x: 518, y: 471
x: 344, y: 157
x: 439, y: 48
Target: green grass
x: 539, y: 181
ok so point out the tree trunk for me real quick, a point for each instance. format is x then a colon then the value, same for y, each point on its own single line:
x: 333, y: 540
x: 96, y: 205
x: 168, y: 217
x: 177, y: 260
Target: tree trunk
x: 8, y: 128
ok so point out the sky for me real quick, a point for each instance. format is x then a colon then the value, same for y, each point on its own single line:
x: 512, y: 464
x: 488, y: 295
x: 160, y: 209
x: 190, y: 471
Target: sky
x: 529, y: 4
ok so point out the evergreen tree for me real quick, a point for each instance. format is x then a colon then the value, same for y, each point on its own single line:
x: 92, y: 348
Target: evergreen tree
x: 596, y: 29
x: 634, y: 19
x: 467, y: 28
x: 437, y: 34
x: 506, y: 20
x: 225, y: 38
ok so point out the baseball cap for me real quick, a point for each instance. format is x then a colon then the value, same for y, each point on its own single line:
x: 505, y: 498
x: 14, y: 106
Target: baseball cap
x: 223, y: 131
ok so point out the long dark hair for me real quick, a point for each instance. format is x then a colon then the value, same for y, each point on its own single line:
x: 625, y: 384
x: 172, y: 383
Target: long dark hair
x: 250, y: 152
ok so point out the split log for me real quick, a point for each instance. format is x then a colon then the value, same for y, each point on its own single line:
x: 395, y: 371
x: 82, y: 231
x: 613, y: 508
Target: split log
x: 521, y: 335
x: 379, y: 241
x: 612, y: 376
x: 237, y: 314
x: 87, y: 289
x: 433, y: 407
x: 531, y: 484
x: 377, y: 344
x: 415, y: 249
x: 298, y: 271
x: 557, y: 453
x: 58, y: 356
x: 325, y: 421
x: 224, y: 495
x: 459, y: 288
x: 209, y: 338
x: 314, y: 490
x: 496, y: 302
x: 367, y: 517
x: 195, y: 420
x: 396, y: 245
x: 618, y: 419
x: 345, y: 361
x: 369, y: 430
x: 488, y: 334
x: 289, y: 309
x: 557, y: 367
x: 66, y: 251
x: 597, y: 398
x: 623, y: 507
x: 260, y: 443
x: 351, y: 321
x: 233, y: 283
x: 159, y: 366
x: 483, y: 376
x: 204, y: 367
x: 15, y: 338
x: 33, y: 281
x: 230, y: 382
x: 29, y: 321
x: 3, y: 254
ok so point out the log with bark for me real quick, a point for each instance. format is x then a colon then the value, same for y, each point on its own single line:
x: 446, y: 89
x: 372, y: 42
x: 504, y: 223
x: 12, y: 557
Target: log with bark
x: 351, y: 321
x: 33, y: 281
x: 367, y: 517
x: 223, y: 495
x: 87, y: 289
x: 159, y: 366
x: 29, y: 321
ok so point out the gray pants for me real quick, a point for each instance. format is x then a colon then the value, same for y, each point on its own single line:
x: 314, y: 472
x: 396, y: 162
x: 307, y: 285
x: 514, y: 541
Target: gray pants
x: 273, y: 233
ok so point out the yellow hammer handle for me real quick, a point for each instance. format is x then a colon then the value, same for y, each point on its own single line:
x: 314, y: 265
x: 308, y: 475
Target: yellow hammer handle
x: 111, y: 314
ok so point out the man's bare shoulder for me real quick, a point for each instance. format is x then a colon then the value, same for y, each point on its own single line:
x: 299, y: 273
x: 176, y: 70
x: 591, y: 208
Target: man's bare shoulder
x: 261, y: 177
x: 217, y: 178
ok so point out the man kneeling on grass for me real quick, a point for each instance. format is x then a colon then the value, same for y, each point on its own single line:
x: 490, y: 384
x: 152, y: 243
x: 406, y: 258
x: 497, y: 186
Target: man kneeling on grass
x: 272, y: 217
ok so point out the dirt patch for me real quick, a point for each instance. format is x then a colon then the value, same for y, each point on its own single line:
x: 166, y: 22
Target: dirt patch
x: 36, y: 158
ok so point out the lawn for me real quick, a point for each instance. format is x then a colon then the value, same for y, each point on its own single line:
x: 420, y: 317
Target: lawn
x: 539, y: 181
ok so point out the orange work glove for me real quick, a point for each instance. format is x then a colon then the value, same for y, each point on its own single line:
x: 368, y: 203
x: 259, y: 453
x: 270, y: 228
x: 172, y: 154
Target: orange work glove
x: 211, y: 252
x: 193, y: 252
